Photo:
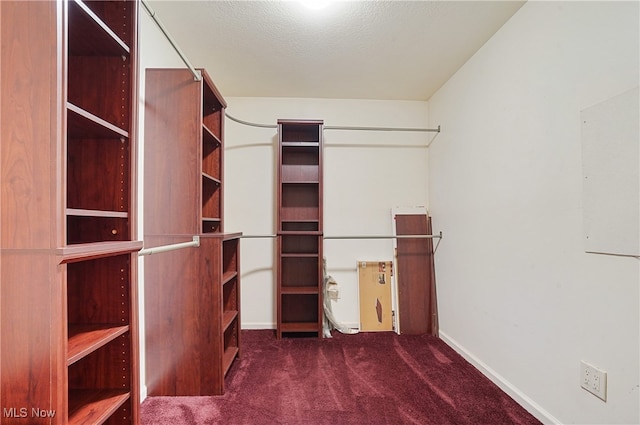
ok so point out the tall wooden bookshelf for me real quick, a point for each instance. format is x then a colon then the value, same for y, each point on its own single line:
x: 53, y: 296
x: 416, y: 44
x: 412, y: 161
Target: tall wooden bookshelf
x: 299, y: 241
x: 192, y: 295
x: 69, y: 340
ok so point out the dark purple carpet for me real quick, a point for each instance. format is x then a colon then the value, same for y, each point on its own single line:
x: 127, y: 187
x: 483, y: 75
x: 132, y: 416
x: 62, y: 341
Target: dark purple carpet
x: 368, y: 378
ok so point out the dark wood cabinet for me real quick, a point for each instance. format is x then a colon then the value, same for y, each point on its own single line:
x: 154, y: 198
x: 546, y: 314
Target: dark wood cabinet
x: 299, y: 241
x: 192, y: 296
x: 69, y: 341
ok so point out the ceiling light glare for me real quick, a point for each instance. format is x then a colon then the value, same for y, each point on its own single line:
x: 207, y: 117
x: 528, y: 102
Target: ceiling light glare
x: 316, y: 4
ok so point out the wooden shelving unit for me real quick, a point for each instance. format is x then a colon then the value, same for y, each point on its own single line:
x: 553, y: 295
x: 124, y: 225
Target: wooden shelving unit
x: 76, y: 261
x: 193, y: 295
x: 213, y: 106
x: 230, y: 300
x: 299, y: 246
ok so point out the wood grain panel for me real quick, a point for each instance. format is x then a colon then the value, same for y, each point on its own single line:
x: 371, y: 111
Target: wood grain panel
x: 172, y: 159
x: 117, y: 15
x: 209, y: 320
x: 34, y: 294
x: 94, y: 406
x: 299, y: 271
x: 300, y: 308
x: 31, y: 320
x: 211, y: 155
x: 28, y: 310
x: 212, y: 107
x: 95, y: 81
x: 30, y: 131
x: 99, y: 291
x: 300, y: 202
x: 416, y: 296
x: 180, y: 312
x: 105, y: 164
x: 109, y: 367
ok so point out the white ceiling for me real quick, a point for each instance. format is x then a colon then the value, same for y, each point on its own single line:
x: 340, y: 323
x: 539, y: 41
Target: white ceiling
x: 351, y: 49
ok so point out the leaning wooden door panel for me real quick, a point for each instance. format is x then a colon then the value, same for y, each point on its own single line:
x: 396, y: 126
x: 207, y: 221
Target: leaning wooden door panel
x: 415, y: 277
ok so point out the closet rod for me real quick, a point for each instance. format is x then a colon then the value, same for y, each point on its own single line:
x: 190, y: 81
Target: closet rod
x: 386, y: 237
x: 251, y: 124
x: 427, y: 130
x: 172, y: 247
x: 337, y: 127
x: 439, y: 236
x: 152, y: 13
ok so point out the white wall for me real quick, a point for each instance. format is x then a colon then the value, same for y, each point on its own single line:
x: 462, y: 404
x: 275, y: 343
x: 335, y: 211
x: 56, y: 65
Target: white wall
x: 517, y: 293
x: 365, y: 175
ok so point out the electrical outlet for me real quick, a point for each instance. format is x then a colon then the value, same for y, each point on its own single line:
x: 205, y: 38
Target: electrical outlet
x: 593, y: 380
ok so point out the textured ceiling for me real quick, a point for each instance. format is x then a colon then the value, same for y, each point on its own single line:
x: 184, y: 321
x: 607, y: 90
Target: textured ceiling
x: 356, y: 49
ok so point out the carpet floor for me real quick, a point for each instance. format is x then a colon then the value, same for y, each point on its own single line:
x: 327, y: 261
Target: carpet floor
x: 367, y: 378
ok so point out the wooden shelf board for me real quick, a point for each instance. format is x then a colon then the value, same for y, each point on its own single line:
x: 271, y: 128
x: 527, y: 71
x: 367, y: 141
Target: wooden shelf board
x: 228, y: 317
x: 300, y: 182
x: 214, y: 219
x: 299, y: 254
x: 88, y: 31
x: 210, y: 135
x: 78, y: 212
x: 300, y: 233
x: 85, y: 339
x: 86, y: 251
x: 228, y: 276
x: 94, y: 406
x: 230, y: 353
x: 292, y: 290
x: 308, y: 143
x: 300, y: 327
x: 212, y: 179
x: 84, y: 125
x: 231, y: 236
x: 307, y: 221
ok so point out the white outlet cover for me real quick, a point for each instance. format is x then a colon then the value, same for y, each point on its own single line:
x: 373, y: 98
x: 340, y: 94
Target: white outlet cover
x: 593, y: 380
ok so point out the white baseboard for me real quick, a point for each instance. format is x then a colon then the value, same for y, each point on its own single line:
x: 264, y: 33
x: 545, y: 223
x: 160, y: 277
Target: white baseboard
x: 256, y: 326
x: 272, y: 326
x: 531, y: 406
